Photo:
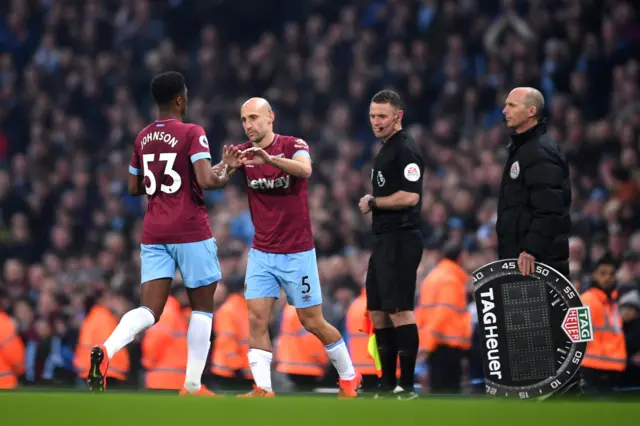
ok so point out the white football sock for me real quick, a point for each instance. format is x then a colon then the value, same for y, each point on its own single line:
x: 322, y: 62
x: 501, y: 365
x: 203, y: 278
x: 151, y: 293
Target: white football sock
x: 132, y: 323
x: 339, y: 356
x: 260, y: 362
x: 198, y: 343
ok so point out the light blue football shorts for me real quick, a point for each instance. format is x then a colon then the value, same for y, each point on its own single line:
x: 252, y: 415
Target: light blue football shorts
x: 297, y: 273
x: 197, y: 262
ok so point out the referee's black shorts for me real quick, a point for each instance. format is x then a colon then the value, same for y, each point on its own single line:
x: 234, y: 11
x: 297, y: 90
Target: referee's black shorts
x: 392, y: 272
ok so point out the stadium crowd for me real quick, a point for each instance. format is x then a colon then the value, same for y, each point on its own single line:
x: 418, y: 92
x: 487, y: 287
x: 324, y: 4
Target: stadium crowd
x: 74, y: 79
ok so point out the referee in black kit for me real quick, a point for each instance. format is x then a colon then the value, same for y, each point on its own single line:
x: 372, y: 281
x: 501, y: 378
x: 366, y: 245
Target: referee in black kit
x: 534, y: 223
x: 391, y: 277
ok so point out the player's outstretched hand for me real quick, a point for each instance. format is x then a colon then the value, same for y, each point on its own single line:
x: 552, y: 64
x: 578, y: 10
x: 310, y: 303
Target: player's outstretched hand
x: 364, y: 204
x: 254, y: 156
x: 231, y: 156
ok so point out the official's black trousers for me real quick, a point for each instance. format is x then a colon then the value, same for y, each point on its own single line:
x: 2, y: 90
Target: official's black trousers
x: 445, y: 370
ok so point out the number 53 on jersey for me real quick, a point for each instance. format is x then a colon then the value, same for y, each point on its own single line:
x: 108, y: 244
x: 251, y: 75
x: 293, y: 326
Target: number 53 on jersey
x: 169, y: 159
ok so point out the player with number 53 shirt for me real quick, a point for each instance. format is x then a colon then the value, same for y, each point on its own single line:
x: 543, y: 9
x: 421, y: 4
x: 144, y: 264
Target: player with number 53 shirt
x: 171, y: 165
x: 276, y: 169
x: 164, y: 154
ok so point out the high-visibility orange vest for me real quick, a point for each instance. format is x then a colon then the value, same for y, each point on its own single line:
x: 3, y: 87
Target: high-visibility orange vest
x: 94, y: 331
x: 164, y: 349
x: 298, y: 351
x: 231, y: 344
x: 442, y: 316
x: 12, y: 356
x: 607, y: 350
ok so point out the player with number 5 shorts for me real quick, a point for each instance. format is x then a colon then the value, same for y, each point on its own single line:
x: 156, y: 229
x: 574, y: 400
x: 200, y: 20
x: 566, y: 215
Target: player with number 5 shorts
x: 171, y: 164
x: 276, y: 169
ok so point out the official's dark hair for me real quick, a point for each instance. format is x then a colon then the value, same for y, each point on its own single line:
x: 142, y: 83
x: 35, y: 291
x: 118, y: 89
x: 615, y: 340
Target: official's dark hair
x: 166, y: 86
x: 452, y: 250
x: 388, y: 97
x: 607, y: 259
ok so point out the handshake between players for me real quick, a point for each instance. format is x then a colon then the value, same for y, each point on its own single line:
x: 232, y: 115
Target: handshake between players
x: 233, y: 157
x: 171, y: 164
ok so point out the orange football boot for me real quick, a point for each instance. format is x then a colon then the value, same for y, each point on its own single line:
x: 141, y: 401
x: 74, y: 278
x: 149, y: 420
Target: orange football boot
x: 349, y: 388
x: 200, y: 392
x: 257, y: 392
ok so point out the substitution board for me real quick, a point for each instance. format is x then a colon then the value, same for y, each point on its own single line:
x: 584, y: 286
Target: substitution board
x: 533, y: 329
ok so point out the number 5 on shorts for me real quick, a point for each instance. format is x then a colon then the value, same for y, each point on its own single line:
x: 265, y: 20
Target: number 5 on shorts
x: 306, y: 287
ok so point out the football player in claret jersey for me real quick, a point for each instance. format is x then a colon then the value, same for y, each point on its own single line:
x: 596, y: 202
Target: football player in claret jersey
x: 276, y: 169
x: 171, y: 164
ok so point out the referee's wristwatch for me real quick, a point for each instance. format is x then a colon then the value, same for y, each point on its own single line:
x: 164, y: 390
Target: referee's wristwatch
x: 372, y: 203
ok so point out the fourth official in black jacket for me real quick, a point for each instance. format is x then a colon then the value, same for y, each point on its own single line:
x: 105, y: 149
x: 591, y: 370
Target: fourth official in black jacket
x: 535, y: 193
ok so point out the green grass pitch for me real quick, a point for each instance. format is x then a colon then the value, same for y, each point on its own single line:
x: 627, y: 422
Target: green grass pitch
x: 124, y: 409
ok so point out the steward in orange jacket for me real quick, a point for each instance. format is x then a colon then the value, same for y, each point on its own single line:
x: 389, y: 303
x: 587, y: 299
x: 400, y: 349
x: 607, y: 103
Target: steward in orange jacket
x: 94, y: 331
x: 164, y: 349
x: 12, y: 355
x: 230, y: 355
x: 299, y: 354
x: 606, y: 355
x: 444, y: 322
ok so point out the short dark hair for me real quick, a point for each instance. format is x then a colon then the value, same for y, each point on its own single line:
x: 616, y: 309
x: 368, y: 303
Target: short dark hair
x: 452, y: 250
x: 387, y: 97
x: 166, y: 86
x: 607, y: 259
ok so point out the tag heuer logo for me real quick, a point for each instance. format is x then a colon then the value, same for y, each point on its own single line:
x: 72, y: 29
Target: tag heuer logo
x: 577, y: 324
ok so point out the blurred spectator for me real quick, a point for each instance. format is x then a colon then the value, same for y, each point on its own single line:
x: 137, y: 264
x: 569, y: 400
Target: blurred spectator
x: 11, y: 353
x: 164, y: 346
x: 96, y: 328
x: 299, y: 354
x: 229, y: 360
x: 444, y: 321
x: 630, y: 312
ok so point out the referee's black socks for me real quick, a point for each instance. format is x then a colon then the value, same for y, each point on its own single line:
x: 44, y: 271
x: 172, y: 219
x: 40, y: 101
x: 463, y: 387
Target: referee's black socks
x: 407, y: 341
x: 386, y: 340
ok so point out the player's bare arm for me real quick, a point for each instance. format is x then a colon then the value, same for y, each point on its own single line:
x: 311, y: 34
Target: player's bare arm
x: 397, y: 201
x: 207, y: 177
x: 135, y: 185
x: 298, y: 166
